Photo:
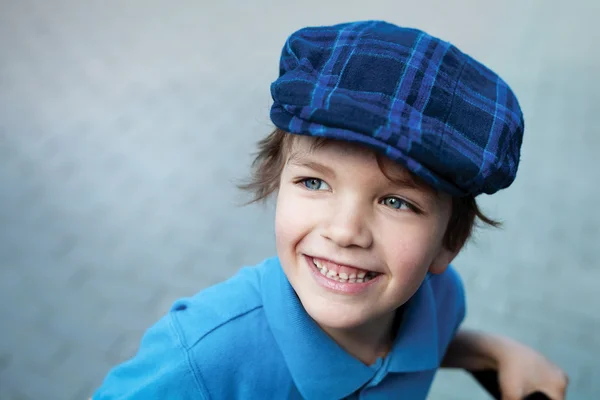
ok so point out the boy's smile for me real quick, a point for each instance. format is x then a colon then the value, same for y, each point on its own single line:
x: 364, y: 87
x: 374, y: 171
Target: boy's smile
x: 340, y: 277
x: 355, y: 242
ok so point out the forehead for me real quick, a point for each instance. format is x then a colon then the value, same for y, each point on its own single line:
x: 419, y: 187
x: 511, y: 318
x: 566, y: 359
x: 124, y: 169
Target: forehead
x: 332, y: 152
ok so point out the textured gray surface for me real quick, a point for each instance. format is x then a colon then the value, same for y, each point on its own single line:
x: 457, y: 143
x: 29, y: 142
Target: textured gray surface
x: 123, y: 126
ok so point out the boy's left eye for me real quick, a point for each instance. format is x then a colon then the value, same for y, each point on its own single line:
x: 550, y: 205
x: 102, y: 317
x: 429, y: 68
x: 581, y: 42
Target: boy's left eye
x: 396, y: 203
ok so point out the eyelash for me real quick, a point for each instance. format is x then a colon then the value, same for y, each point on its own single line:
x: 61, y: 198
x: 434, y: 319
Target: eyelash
x: 413, y: 208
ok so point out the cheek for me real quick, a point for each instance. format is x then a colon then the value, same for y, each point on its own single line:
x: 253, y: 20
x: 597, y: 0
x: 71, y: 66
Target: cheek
x: 408, y: 262
x: 405, y: 257
x: 291, y: 222
x: 411, y: 252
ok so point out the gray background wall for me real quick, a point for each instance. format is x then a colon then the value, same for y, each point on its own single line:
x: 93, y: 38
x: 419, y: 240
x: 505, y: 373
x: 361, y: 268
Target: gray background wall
x: 124, y: 124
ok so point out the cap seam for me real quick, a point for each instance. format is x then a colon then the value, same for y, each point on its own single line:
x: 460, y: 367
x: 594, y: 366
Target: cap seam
x: 445, y: 130
x: 462, y: 68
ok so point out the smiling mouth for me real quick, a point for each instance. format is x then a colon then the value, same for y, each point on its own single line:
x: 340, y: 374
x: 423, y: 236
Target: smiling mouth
x: 351, y: 275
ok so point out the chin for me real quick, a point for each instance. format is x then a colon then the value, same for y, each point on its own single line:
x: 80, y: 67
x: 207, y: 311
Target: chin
x: 333, y: 317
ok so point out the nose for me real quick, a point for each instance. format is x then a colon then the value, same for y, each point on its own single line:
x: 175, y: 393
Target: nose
x: 348, y: 225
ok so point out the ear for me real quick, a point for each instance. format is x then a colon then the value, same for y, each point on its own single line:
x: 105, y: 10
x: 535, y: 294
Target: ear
x: 442, y: 260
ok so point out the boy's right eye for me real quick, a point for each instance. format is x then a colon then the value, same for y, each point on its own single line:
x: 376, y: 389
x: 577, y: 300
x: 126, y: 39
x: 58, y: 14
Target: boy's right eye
x: 315, y: 184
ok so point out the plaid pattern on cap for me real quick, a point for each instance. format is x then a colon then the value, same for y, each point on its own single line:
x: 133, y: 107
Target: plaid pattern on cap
x: 418, y: 99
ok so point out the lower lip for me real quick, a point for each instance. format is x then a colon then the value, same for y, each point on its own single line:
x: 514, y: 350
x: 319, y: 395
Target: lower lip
x: 340, y: 287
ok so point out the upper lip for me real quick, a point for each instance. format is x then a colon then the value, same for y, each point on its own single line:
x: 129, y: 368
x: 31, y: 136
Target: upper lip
x: 344, y: 264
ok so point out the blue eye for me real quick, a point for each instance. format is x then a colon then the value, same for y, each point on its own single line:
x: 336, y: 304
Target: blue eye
x: 315, y: 184
x: 395, y: 203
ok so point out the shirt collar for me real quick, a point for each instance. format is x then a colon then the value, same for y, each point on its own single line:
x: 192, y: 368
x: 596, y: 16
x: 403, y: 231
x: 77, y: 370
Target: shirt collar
x: 316, y: 362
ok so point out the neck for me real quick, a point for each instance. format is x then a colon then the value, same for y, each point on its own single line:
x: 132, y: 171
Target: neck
x: 367, y: 342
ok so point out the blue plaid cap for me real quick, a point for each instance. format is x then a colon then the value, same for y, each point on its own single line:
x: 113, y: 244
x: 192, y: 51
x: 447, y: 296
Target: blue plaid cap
x: 417, y: 99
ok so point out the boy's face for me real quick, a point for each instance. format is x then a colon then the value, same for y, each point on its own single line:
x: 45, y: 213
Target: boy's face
x: 355, y: 245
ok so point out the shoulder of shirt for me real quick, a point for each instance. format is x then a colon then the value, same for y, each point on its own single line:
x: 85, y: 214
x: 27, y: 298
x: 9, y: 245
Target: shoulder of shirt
x: 448, y: 282
x: 214, y: 307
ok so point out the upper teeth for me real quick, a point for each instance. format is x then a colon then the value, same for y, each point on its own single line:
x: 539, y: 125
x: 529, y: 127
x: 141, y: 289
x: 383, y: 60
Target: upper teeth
x: 342, y: 277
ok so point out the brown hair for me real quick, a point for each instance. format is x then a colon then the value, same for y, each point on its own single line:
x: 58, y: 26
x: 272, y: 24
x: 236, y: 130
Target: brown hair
x: 270, y: 160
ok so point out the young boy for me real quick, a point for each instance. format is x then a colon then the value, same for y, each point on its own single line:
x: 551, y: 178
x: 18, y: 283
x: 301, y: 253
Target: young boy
x: 385, y: 136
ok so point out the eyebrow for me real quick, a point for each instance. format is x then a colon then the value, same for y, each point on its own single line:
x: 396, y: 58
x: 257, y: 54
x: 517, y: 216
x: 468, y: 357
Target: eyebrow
x: 404, y: 181
x: 297, y: 160
x: 408, y: 182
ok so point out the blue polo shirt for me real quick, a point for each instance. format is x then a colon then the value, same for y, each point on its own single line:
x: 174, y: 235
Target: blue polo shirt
x: 250, y: 338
